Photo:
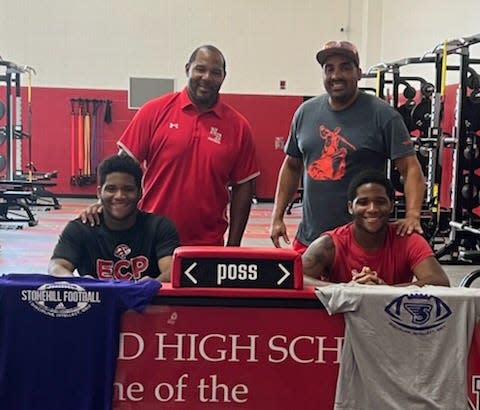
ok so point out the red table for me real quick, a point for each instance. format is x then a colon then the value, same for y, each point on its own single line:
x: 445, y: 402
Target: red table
x: 236, y: 348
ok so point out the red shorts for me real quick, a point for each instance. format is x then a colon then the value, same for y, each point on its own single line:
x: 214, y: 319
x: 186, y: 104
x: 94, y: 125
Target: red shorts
x: 299, y: 247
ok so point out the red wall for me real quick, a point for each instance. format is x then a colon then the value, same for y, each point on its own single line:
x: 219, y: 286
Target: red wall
x: 269, y: 116
x: 51, y: 130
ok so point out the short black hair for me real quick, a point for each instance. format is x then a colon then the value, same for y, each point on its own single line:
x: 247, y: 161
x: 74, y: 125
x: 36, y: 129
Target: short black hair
x: 210, y: 48
x: 370, y: 176
x: 120, y: 163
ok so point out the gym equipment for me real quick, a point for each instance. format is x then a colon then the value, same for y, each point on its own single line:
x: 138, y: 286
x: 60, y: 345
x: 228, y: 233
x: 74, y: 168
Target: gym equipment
x: 3, y: 135
x: 470, y: 187
x: 13, y: 132
x: 80, y: 136
x: 421, y: 115
x: 18, y: 190
x: 468, y: 280
x: 39, y: 195
x: 417, y: 118
x: 97, y: 104
x: 472, y: 79
x: 423, y: 156
x: 30, y: 167
x: 427, y: 90
x: 405, y: 111
x: 297, y: 199
x: 73, y: 119
x: 464, y: 234
x: 471, y: 114
x: 406, y: 108
x: 13, y: 110
x: 471, y: 154
x: 108, y: 112
x: 471, y: 106
x: 13, y: 207
x: 85, y: 137
x: 409, y: 92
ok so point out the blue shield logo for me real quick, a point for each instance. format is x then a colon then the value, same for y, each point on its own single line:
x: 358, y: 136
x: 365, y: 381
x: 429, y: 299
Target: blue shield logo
x: 418, y: 312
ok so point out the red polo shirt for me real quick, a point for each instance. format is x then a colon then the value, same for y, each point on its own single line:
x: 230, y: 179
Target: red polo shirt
x: 190, y: 158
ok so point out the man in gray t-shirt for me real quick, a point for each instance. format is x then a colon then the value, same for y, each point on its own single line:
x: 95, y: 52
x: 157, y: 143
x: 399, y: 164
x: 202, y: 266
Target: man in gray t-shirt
x: 332, y: 138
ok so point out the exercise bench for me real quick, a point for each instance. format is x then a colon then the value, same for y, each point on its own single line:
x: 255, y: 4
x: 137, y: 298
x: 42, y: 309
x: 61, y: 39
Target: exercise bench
x: 40, y: 196
x: 14, y: 207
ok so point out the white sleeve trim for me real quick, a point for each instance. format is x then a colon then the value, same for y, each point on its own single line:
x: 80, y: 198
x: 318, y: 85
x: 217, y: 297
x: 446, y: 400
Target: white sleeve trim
x: 250, y: 177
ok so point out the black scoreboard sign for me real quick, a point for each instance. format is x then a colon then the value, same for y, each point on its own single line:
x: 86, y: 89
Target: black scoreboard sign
x: 221, y: 272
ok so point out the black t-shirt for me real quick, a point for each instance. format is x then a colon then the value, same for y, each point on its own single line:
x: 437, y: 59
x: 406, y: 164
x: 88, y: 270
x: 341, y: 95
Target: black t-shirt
x: 127, y: 254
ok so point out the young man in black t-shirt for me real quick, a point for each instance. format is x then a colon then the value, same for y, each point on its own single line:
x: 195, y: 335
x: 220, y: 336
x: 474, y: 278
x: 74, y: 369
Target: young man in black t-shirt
x: 128, y: 244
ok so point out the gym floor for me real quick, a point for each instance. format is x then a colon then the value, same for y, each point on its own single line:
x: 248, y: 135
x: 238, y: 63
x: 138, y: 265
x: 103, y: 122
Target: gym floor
x: 26, y: 249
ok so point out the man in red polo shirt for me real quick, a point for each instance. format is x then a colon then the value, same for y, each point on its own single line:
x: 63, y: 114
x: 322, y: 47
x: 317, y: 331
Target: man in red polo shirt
x: 194, y: 148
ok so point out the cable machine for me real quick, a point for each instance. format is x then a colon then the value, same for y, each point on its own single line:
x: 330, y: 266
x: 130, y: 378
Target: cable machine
x: 13, y: 132
x: 412, y: 97
x: 21, y: 187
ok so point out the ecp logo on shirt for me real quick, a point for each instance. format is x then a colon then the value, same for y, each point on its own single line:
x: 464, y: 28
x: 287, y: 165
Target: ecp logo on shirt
x: 418, y: 313
x: 122, y: 251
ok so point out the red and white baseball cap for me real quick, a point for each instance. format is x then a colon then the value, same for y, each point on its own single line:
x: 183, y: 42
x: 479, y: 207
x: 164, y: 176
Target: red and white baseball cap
x: 338, y: 47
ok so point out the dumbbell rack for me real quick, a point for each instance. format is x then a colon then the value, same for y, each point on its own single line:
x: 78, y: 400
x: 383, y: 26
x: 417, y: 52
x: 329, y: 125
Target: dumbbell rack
x: 464, y: 237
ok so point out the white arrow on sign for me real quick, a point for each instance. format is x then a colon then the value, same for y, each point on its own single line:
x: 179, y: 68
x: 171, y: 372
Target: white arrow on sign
x: 189, y: 275
x: 287, y: 274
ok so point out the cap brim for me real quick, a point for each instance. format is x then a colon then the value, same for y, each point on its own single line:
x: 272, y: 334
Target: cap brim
x: 322, y: 55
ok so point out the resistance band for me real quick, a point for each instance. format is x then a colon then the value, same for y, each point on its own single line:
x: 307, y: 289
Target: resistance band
x: 96, y: 105
x: 86, y: 139
x: 80, y: 138
x: 108, y: 112
x: 73, y: 119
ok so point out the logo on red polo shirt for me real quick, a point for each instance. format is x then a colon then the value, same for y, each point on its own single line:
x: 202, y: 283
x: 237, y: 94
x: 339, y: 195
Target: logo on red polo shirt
x: 215, y: 136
